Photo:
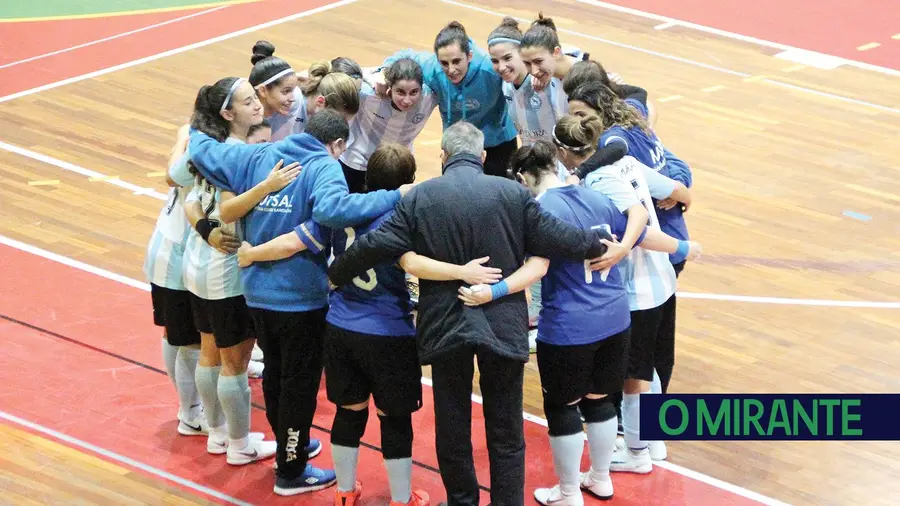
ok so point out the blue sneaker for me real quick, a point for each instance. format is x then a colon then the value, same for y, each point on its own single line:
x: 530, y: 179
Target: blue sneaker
x: 313, y: 448
x: 311, y: 480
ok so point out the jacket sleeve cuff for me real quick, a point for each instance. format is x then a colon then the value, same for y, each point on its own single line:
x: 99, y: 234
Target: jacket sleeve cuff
x: 313, y: 235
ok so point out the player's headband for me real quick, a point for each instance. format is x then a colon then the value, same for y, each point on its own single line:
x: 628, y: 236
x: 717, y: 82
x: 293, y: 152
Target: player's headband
x: 234, y: 86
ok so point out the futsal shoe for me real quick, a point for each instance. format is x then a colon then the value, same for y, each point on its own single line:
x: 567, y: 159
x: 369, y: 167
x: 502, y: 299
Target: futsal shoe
x: 658, y: 450
x: 256, y: 449
x: 554, y: 497
x: 255, y: 369
x: 417, y: 498
x: 311, y: 480
x: 195, y: 427
x: 257, y: 353
x: 599, y: 488
x: 218, y: 441
x: 349, y: 497
x: 626, y: 460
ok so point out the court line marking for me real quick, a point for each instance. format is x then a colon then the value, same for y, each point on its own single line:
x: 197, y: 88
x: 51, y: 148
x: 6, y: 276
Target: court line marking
x: 138, y: 12
x: 122, y: 459
x: 735, y: 36
x: 175, y: 51
x: 687, y: 61
x: 113, y: 37
x: 696, y: 475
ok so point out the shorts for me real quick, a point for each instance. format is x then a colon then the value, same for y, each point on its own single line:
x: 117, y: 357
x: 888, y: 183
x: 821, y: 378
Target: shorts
x: 568, y: 373
x: 359, y: 365
x: 228, y: 320
x: 496, y: 161
x: 356, y: 179
x: 649, y: 341
x: 172, y: 311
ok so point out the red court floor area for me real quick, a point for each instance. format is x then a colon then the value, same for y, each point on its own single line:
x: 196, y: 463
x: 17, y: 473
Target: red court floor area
x: 82, y: 357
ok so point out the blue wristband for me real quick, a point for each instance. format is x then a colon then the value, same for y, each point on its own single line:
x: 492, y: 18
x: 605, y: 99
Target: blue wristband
x: 684, y: 248
x: 499, y: 290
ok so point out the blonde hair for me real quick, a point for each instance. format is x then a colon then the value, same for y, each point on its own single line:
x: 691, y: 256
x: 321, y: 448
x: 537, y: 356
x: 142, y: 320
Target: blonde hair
x: 338, y: 89
x: 578, y: 134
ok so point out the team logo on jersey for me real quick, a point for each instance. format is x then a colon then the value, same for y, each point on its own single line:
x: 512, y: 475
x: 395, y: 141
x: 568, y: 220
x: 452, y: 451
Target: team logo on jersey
x: 470, y: 104
x: 417, y: 118
x: 535, y: 101
x: 276, y: 204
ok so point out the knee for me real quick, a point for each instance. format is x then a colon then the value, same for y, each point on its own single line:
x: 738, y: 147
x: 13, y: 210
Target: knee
x: 396, y: 436
x: 597, y: 410
x: 562, y: 419
x: 349, y: 426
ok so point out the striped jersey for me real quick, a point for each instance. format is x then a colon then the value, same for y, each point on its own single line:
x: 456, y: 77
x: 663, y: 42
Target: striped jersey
x: 209, y: 273
x: 291, y: 123
x: 534, y: 113
x: 649, y: 276
x: 378, y: 121
x: 165, y: 251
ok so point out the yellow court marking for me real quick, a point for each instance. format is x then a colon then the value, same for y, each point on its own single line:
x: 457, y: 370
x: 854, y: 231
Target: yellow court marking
x: 896, y: 36
x: 872, y: 192
x: 713, y: 88
x: 156, y: 174
x: 866, y: 47
x: 753, y: 79
x: 46, y: 182
x: 103, y: 179
x: 130, y: 13
x: 794, y: 68
x: 670, y: 98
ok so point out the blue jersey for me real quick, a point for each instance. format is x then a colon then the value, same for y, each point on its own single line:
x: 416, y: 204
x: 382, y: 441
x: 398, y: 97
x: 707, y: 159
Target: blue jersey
x: 377, y: 302
x: 581, y: 306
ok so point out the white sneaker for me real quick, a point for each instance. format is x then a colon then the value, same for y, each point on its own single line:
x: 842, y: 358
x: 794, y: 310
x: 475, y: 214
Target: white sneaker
x: 256, y: 449
x: 217, y: 443
x: 255, y: 369
x: 628, y: 461
x: 601, y: 489
x: 554, y: 497
x: 195, y: 427
x: 257, y: 353
x: 658, y: 450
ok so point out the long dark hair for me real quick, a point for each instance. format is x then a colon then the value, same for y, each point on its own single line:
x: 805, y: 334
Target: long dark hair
x: 207, y: 106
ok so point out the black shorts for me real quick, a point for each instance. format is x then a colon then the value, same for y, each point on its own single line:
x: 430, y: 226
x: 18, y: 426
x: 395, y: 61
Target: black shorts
x: 359, y: 365
x: 172, y: 311
x: 569, y: 373
x: 228, y: 320
x: 648, y: 337
x: 496, y: 163
x: 356, y: 179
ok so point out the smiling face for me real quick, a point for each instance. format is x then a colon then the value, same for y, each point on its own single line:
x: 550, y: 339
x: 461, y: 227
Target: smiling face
x: 245, y: 109
x: 280, y: 97
x: 405, y: 94
x: 454, y: 62
x: 508, y: 62
x: 541, y: 62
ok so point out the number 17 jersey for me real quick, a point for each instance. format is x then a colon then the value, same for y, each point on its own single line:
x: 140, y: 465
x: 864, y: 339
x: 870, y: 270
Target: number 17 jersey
x: 376, y: 302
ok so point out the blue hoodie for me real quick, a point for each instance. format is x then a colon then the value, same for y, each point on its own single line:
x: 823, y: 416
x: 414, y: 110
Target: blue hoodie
x: 298, y: 283
x: 478, y: 99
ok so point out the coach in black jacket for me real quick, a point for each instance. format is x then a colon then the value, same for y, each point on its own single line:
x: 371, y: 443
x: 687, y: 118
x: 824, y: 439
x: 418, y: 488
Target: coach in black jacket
x: 455, y: 218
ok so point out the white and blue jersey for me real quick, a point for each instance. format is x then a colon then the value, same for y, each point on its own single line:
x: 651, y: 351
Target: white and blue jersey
x: 378, y: 121
x: 376, y: 302
x: 581, y: 306
x: 165, y: 251
x: 649, y: 276
x: 209, y: 273
x: 292, y: 123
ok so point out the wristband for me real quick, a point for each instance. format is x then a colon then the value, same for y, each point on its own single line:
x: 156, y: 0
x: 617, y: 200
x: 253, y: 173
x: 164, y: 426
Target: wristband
x: 684, y: 247
x: 205, y: 227
x: 499, y: 290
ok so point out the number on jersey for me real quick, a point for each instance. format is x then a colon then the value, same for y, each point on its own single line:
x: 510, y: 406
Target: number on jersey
x: 370, y: 274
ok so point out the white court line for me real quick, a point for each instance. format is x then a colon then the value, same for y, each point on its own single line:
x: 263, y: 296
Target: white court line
x: 123, y: 459
x: 113, y: 37
x: 175, y: 51
x: 735, y: 36
x: 688, y: 61
x: 709, y: 480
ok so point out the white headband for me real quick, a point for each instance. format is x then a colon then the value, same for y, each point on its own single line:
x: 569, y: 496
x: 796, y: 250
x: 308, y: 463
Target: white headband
x: 498, y: 40
x: 278, y: 76
x: 234, y: 87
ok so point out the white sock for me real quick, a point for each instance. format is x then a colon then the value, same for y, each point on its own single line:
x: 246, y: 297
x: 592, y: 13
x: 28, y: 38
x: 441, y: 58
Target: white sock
x: 189, y: 406
x: 234, y: 397
x: 567, y: 451
x: 655, y: 385
x: 631, y: 421
x: 602, y: 444
x: 345, y: 463
x: 207, y: 385
x: 399, y: 473
x: 170, y: 355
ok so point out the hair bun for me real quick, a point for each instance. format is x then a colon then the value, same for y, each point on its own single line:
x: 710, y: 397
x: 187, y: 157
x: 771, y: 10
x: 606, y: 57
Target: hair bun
x: 261, y: 50
x: 510, y: 22
x: 542, y: 21
x: 456, y: 25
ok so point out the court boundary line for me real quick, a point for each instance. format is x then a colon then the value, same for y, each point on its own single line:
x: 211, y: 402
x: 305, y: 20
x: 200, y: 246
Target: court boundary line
x: 708, y: 66
x: 116, y: 36
x: 696, y: 475
x: 128, y: 461
x: 118, y: 14
x: 177, y: 50
x: 735, y: 36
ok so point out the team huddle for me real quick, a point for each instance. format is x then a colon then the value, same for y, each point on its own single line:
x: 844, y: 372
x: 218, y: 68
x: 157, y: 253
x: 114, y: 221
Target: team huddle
x: 294, y: 224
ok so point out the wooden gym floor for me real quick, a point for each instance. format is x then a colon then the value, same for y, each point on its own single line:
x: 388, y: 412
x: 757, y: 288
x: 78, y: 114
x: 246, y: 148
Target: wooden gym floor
x: 796, y: 203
